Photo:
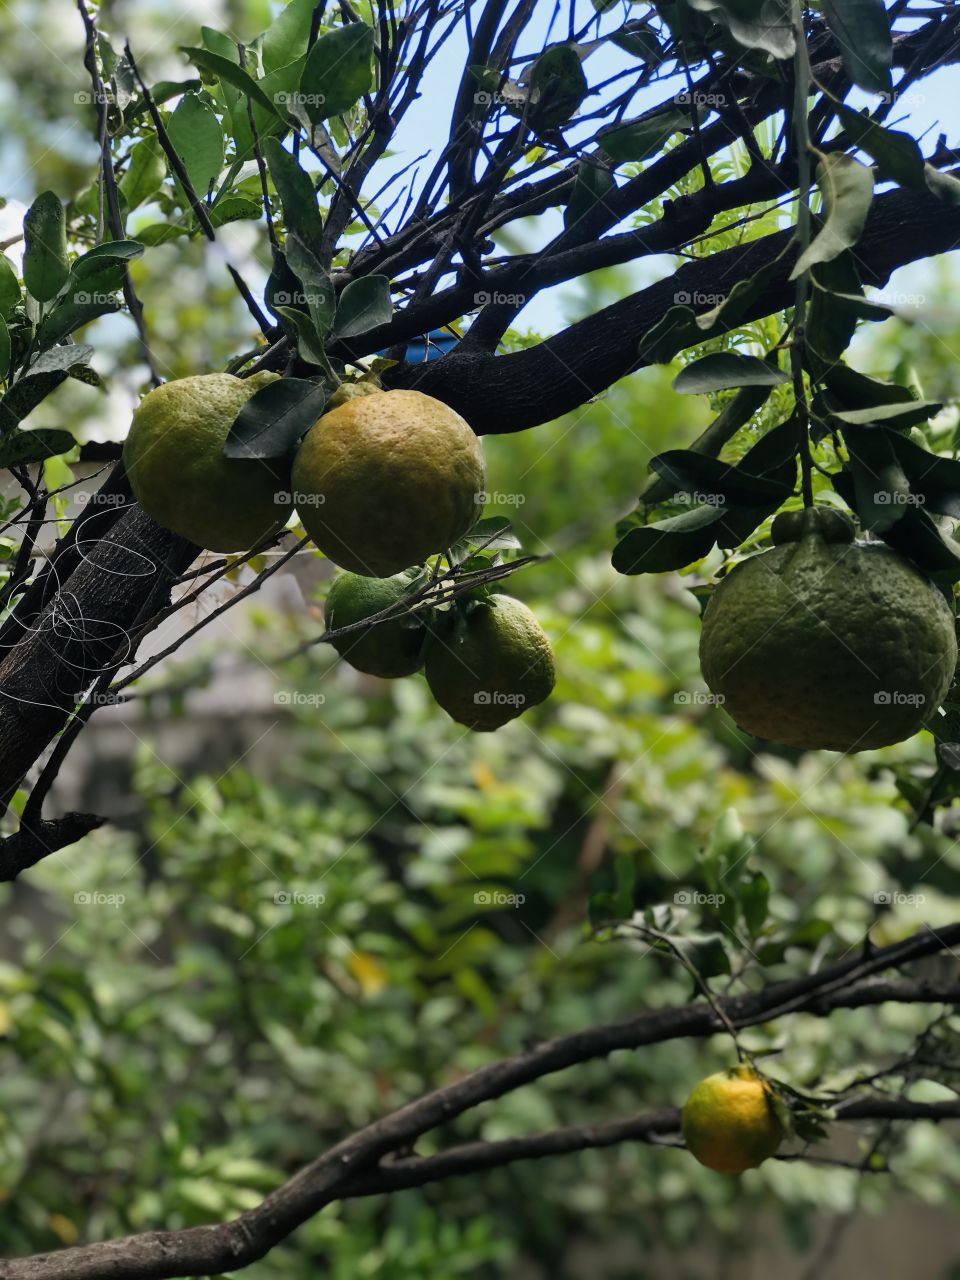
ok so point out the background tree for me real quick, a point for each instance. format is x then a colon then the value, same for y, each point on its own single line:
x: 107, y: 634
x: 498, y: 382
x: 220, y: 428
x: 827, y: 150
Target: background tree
x: 751, y: 98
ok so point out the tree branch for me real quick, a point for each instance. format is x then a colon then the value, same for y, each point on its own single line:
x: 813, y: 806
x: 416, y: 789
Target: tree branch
x: 230, y: 1246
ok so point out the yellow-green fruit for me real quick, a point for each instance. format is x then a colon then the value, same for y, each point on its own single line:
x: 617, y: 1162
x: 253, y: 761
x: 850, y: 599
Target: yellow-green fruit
x: 174, y: 460
x: 388, y: 649
x: 383, y: 481
x: 730, y: 1121
x: 493, y: 666
x: 824, y: 642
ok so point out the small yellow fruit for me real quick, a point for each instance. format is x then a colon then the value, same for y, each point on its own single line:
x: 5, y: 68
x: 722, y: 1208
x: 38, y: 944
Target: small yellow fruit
x: 730, y: 1121
x: 383, y: 481
x: 174, y: 460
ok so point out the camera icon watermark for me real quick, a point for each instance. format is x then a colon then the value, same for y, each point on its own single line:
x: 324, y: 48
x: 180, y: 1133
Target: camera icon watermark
x: 698, y: 298
x: 898, y: 698
x: 298, y: 698
x: 298, y: 898
x: 498, y: 898
x: 894, y: 898
x: 284, y: 498
x: 95, y: 898
x: 889, y: 498
x: 484, y: 498
x: 484, y: 299
x: 693, y: 898
x: 497, y: 698
x: 300, y: 299
x: 691, y: 497
x: 84, y: 299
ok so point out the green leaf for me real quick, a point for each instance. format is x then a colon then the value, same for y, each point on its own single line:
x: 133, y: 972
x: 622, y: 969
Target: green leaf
x: 831, y: 320
x: 103, y: 269
x: 754, y: 900
x: 725, y: 370
x: 881, y: 487
x: 639, y: 39
x: 22, y: 447
x: 698, y: 477
x: 197, y: 138
x: 943, y: 185
x: 318, y: 291
x: 47, y: 372
x: 338, y: 71
x: 917, y: 536
x: 304, y: 331
x: 363, y: 305
x: 593, y: 183
x: 847, y: 187
x: 907, y: 413
x: 557, y: 87
x: 934, y: 481
x: 231, y: 72
x: 862, y: 31
x: 756, y: 24
x: 235, y: 209
x: 298, y: 198
x: 145, y: 172
x: 896, y: 154
x: 286, y: 38
x: 643, y: 138
x: 9, y: 288
x: 73, y: 314
x: 667, y: 544
x: 5, y: 349
x: 275, y: 418
x: 45, y: 267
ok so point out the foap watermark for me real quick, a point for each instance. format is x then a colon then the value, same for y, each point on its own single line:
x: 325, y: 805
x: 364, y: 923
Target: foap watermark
x: 84, y: 299
x: 898, y: 698
x: 300, y: 299
x: 497, y: 698
x: 697, y: 98
x: 498, y: 898
x: 893, y: 298
x: 97, y: 499
x: 96, y: 898
x: 694, y: 898
x: 299, y: 898
x: 294, y: 98
x: 694, y: 497
x: 698, y: 698
x: 698, y: 298
x: 894, y: 898
x: 892, y: 498
x: 496, y: 499
x: 484, y: 299
x: 86, y: 97
x: 298, y: 698
x: 284, y: 498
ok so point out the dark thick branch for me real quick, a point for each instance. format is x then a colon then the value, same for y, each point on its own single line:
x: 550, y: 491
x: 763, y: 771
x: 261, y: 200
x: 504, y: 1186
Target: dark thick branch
x: 209, y: 1250
x: 30, y: 844
x: 499, y: 394
x: 121, y: 578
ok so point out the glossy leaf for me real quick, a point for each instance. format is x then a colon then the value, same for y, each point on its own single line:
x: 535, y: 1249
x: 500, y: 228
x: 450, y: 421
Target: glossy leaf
x: 197, y: 137
x: 725, y: 370
x: 643, y: 138
x: 593, y: 183
x: 45, y: 267
x: 755, y: 24
x: 363, y: 305
x: 338, y: 71
x: 275, y: 418
x: 10, y: 291
x: 145, y: 172
x: 847, y: 187
x: 557, y: 88
x: 862, y: 31
x: 22, y: 447
x: 298, y: 197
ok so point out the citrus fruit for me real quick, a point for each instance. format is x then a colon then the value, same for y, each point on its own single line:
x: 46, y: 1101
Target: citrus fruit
x: 492, y: 665
x: 174, y: 460
x: 825, y: 642
x: 730, y: 1123
x: 383, y: 481
x: 391, y: 648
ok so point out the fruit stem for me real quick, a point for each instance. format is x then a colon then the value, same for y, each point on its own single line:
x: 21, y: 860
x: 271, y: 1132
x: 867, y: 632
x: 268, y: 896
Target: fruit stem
x: 801, y: 90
